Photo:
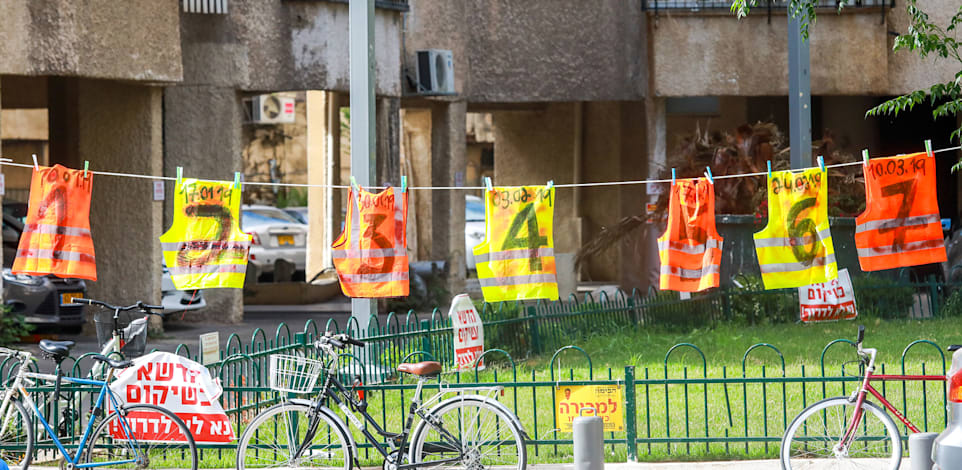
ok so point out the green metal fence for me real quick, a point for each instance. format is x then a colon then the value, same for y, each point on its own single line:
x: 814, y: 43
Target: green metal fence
x: 686, y: 406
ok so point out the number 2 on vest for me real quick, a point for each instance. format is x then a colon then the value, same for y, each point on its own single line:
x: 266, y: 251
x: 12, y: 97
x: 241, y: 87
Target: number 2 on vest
x: 906, y: 189
x: 526, y: 217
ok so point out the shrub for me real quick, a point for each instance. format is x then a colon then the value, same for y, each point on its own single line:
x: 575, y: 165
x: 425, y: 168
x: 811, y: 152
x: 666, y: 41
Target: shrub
x: 880, y: 297
x: 12, y: 327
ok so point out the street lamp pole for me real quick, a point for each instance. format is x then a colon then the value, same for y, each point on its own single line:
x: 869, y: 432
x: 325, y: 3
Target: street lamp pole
x: 361, y: 20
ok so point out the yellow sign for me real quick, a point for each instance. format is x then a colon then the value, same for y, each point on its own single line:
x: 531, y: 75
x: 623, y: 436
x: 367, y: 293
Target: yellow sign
x: 607, y: 400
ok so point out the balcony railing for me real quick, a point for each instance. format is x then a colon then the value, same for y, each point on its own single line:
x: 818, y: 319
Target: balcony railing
x: 397, y: 5
x: 695, y: 6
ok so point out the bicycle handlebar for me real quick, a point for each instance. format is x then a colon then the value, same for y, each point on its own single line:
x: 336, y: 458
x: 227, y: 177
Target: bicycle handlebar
x: 339, y: 341
x: 140, y: 305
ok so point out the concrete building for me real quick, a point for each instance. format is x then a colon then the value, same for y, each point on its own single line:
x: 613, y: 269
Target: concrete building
x: 561, y: 90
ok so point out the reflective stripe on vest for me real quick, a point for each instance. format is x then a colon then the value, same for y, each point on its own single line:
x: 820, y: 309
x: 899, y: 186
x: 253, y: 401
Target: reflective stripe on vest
x: 690, y: 248
x: 56, y: 237
x: 516, y: 260
x: 901, y: 224
x: 795, y: 249
x: 371, y: 254
x: 204, y: 246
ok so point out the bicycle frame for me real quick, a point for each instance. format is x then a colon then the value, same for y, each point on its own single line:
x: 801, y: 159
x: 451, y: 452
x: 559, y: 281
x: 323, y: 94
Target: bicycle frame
x: 866, y: 388
x: 18, y: 388
x: 335, y: 391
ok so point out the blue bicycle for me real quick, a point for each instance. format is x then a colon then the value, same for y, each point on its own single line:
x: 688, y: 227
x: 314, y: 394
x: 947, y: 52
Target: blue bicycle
x: 119, y: 436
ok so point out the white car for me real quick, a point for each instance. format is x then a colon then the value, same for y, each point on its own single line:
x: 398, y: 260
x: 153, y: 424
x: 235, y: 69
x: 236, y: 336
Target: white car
x: 473, y: 227
x: 175, y: 300
x: 275, y: 235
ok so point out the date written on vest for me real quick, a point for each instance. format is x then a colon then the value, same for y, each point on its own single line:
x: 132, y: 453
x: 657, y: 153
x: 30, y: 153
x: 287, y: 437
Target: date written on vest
x: 204, y: 246
x: 690, y: 248
x: 371, y: 253
x: 900, y: 225
x: 516, y: 259
x: 56, y: 237
x: 795, y: 248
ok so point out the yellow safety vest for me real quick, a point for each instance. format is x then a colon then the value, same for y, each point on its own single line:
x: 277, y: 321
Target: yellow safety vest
x: 205, y: 246
x: 795, y: 248
x: 516, y: 259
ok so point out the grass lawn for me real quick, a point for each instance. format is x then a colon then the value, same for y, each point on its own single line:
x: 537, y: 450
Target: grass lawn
x: 758, y: 411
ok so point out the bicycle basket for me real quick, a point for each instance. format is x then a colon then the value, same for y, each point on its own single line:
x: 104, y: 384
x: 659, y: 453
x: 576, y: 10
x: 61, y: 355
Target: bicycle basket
x: 293, y: 374
x: 135, y: 333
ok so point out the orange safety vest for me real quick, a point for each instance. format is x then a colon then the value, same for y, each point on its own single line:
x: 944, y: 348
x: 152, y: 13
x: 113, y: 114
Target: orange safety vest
x: 371, y: 254
x: 690, y: 249
x: 56, y: 238
x: 900, y: 225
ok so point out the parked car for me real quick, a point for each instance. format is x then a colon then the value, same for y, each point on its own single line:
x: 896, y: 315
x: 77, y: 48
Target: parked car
x: 299, y: 213
x: 473, y: 227
x: 175, y: 300
x: 42, y: 300
x: 276, y: 235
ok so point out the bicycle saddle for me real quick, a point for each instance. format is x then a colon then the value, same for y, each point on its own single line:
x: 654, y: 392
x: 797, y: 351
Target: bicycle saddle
x: 58, y: 349
x: 423, y: 369
x: 113, y: 363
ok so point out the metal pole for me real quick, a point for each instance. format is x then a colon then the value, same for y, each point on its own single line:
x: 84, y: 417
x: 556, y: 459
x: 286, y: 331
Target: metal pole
x: 799, y: 95
x: 362, y: 119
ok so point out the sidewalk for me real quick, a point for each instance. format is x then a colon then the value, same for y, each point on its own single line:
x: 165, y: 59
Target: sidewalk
x: 729, y: 465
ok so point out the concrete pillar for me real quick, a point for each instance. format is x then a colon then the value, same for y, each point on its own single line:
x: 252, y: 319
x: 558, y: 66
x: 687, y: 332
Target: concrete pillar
x: 202, y: 129
x: 656, y: 125
x: 448, y: 163
x: 323, y: 149
x: 119, y: 128
x: 388, y: 111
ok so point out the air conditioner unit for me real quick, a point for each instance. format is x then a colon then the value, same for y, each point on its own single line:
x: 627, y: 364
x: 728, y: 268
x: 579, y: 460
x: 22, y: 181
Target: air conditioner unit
x: 271, y: 109
x: 435, y: 72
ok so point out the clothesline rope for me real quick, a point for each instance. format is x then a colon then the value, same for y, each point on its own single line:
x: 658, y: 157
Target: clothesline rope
x: 443, y: 188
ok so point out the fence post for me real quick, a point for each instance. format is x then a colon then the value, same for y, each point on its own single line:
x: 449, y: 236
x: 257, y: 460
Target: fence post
x: 631, y: 430
x: 301, y: 339
x: 426, y: 338
x: 535, y: 335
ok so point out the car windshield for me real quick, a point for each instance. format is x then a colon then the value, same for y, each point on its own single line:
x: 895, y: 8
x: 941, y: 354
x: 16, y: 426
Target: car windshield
x: 262, y: 217
x: 300, y: 216
x: 272, y: 213
x: 473, y: 209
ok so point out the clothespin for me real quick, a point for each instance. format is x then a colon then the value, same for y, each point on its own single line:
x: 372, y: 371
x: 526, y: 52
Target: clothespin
x: 35, y: 165
x: 354, y: 185
x: 672, y: 176
x: 769, y: 169
x: 821, y: 162
x: 865, y: 157
x: 237, y: 180
x: 708, y: 175
x: 550, y: 184
x: 404, y: 184
x: 928, y: 148
x: 487, y: 183
x: 180, y: 175
x: 86, y: 166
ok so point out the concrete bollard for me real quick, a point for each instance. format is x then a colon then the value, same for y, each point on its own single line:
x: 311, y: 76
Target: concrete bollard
x: 589, y: 444
x: 920, y: 450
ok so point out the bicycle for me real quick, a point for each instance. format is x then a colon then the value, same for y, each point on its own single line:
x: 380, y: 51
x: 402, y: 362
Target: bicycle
x: 849, y: 430
x: 130, y: 436
x: 469, y: 430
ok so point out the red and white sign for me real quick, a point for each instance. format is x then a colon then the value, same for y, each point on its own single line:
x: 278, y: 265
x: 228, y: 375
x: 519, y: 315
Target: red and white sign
x: 468, y: 332
x: 179, y: 385
x: 828, y: 301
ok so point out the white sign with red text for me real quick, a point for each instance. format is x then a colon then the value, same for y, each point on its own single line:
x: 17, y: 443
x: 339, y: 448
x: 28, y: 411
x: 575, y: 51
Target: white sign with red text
x: 179, y: 385
x: 828, y: 301
x: 468, y: 332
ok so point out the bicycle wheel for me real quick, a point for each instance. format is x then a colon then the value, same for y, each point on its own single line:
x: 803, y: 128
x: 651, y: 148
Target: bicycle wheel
x: 150, y: 437
x: 811, y: 441
x: 16, y: 439
x: 277, y: 436
x: 471, y: 434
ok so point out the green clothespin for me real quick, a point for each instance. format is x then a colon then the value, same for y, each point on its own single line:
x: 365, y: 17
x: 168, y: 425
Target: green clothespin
x: 672, y: 176
x: 865, y: 157
x: 711, y: 179
x: 354, y: 185
x: 928, y: 148
x: 769, y: 169
x: 404, y: 184
x: 237, y: 180
x: 86, y: 166
x: 487, y: 183
x: 180, y: 175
